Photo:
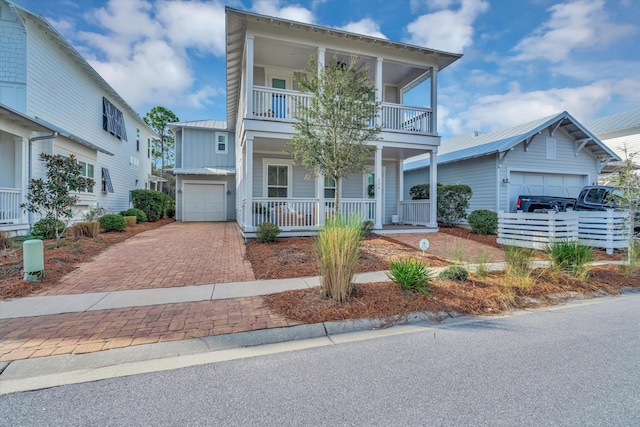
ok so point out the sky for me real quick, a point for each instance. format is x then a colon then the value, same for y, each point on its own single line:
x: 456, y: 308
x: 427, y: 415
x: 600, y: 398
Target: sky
x: 523, y: 59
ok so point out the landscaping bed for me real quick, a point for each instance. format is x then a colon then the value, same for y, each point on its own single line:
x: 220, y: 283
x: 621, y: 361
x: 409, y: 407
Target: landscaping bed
x: 60, y: 261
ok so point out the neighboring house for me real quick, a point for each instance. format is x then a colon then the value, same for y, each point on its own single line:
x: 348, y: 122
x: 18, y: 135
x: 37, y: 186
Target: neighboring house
x: 52, y: 101
x: 553, y: 156
x: 621, y: 132
x: 205, y: 171
x: 263, y: 53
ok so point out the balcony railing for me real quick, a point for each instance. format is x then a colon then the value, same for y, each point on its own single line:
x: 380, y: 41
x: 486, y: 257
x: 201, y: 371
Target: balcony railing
x: 302, y: 214
x: 415, y: 212
x: 282, y: 105
x: 10, y: 212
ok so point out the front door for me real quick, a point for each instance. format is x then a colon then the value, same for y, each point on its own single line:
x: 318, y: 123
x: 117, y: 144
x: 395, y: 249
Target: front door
x: 279, y: 101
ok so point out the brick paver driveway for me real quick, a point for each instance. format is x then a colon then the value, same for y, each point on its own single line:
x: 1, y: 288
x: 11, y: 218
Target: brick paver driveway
x: 178, y: 254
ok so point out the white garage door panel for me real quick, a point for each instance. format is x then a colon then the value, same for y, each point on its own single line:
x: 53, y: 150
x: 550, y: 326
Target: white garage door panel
x: 540, y: 184
x: 204, y: 202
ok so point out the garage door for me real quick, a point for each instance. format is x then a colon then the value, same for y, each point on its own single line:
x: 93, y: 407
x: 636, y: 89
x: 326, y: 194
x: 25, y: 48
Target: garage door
x: 544, y: 184
x: 204, y: 202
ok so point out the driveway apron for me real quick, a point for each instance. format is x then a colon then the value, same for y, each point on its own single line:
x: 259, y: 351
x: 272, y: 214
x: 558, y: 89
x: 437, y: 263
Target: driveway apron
x: 178, y: 254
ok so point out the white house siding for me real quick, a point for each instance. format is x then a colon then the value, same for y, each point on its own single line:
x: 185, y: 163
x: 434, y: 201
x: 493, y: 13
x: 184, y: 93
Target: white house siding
x: 62, y: 93
x: 300, y: 187
x: 230, y: 197
x: 535, y: 160
x: 617, y: 141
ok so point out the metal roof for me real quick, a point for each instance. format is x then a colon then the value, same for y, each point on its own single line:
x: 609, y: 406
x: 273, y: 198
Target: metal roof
x: 38, y: 125
x: 476, y: 144
x: 615, y: 122
x: 42, y: 23
x: 236, y: 25
x: 201, y: 124
x: 219, y: 171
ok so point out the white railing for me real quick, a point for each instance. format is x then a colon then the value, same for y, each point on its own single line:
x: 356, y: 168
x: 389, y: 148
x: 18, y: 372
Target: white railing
x: 277, y: 104
x: 364, y: 209
x: 415, y: 212
x: 285, y: 213
x: 10, y: 212
x: 397, y: 117
x: 608, y: 230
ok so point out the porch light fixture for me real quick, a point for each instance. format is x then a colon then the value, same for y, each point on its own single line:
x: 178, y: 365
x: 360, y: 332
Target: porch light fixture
x: 505, y: 180
x: 228, y: 191
x: 180, y: 190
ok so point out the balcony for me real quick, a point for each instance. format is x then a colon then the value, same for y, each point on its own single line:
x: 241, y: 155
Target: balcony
x: 282, y: 106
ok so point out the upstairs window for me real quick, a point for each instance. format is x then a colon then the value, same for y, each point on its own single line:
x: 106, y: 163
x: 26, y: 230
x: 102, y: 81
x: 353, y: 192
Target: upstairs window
x: 107, y: 186
x: 138, y: 140
x: 113, y: 120
x: 329, y: 188
x: 221, y: 143
x: 148, y: 148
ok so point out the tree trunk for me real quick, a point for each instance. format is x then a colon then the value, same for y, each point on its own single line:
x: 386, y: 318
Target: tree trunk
x: 336, y: 198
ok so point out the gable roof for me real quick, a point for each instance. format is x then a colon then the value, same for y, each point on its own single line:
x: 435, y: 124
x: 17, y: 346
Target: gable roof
x: 475, y: 144
x: 236, y: 26
x: 43, y: 25
x: 616, y: 122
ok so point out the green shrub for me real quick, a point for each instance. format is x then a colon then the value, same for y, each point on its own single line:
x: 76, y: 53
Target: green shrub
x: 138, y: 213
x: 45, y: 228
x: 412, y: 275
x: 367, y: 227
x: 453, y: 201
x: 483, y: 221
x: 338, y: 250
x: 267, y: 232
x: 113, y: 222
x: 169, y: 205
x: 151, y: 202
x: 171, y: 212
x: 570, y: 257
x: 454, y: 272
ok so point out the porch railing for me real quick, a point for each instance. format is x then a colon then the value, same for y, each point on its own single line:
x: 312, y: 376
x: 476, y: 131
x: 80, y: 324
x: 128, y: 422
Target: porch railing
x: 10, y: 212
x: 282, y: 105
x: 415, y: 212
x: 397, y: 117
x: 302, y: 214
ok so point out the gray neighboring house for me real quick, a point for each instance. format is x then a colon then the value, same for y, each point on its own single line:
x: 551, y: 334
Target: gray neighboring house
x: 620, y: 132
x: 205, y: 171
x: 554, y: 156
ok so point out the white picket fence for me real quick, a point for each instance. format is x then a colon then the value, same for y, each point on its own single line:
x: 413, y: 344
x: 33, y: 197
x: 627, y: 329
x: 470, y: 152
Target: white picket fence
x: 607, y: 230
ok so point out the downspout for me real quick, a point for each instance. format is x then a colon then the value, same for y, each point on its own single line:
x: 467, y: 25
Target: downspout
x: 30, y: 164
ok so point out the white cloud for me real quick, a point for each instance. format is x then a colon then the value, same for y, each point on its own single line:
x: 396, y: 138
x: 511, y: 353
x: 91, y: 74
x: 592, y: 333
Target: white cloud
x: 365, y: 26
x: 495, y: 112
x: 290, y: 12
x: 448, y: 30
x: 581, y: 24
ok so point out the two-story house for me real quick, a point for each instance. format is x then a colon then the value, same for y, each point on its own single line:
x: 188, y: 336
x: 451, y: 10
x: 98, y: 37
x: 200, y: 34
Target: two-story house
x: 52, y: 101
x: 263, y: 53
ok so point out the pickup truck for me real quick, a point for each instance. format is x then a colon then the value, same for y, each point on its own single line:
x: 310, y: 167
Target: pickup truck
x: 591, y: 198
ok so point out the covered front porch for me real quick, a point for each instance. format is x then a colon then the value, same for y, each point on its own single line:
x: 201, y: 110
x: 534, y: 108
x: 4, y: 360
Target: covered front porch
x: 275, y: 190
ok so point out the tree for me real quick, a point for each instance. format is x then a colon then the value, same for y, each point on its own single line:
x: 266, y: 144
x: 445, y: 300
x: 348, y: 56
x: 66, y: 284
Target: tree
x: 158, y: 119
x: 52, y: 198
x: 333, y: 130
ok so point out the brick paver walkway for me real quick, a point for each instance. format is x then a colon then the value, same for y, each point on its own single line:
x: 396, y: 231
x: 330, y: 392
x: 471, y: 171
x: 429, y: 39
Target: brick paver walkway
x: 178, y: 254
x: 76, y: 333
x: 444, y: 245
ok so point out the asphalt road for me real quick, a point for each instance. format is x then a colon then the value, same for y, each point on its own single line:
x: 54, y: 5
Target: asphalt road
x: 576, y: 365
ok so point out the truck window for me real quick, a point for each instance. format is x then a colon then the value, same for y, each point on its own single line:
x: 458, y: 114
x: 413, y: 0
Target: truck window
x: 595, y: 195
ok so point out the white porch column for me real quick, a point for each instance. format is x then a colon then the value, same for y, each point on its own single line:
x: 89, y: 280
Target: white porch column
x: 378, y: 188
x: 248, y: 179
x: 400, y: 186
x: 433, y: 190
x: 434, y: 101
x: 249, y: 76
x: 379, y: 94
x: 320, y: 191
x: 321, y: 58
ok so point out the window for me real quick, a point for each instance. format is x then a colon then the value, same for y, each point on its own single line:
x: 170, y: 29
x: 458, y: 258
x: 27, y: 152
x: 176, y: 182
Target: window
x: 113, y: 120
x: 86, y: 169
x: 551, y: 148
x: 106, y: 181
x: 329, y: 188
x: 277, y: 181
x: 221, y: 142
x: 138, y: 140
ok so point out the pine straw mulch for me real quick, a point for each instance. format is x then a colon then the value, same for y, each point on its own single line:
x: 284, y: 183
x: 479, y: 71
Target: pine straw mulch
x: 488, y: 295
x: 60, y: 261
x: 295, y: 257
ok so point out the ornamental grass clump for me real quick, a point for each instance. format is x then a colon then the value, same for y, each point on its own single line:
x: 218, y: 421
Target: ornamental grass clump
x: 519, y: 263
x: 412, y: 275
x: 571, y: 257
x: 338, y: 250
